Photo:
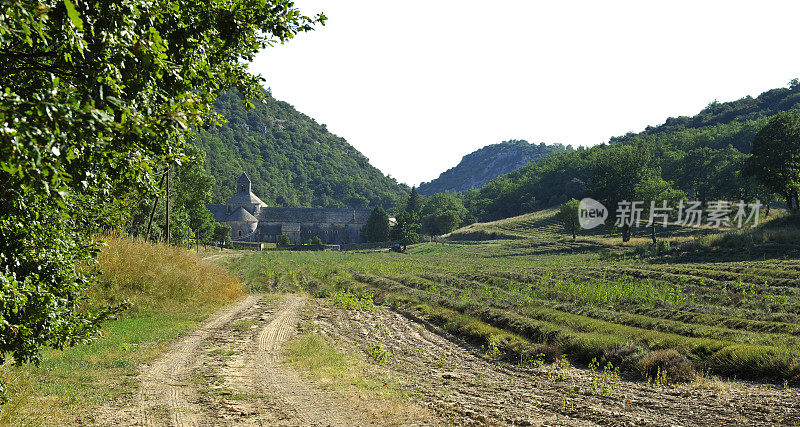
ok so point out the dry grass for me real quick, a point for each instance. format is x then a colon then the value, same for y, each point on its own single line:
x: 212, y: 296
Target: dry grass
x: 159, y: 276
x: 171, y: 291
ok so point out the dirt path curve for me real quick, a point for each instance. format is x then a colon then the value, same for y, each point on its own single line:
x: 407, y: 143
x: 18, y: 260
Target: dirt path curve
x: 229, y: 372
x: 259, y: 373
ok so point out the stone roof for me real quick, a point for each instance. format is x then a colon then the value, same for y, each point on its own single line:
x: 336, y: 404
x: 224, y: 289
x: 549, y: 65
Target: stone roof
x: 314, y: 215
x: 270, y: 229
x: 243, y: 178
x: 245, y: 199
x: 220, y: 212
x: 240, y: 214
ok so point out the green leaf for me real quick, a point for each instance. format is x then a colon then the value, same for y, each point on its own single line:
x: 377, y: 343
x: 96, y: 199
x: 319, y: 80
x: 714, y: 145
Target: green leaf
x: 73, y: 14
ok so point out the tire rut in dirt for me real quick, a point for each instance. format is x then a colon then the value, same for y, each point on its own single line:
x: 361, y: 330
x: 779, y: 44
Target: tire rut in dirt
x: 281, y: 396
x: 166, y: 395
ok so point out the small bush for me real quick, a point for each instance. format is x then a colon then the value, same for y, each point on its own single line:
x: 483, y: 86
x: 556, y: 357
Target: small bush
x: 626, y: 357
x: 352, y: 301
x: 667, y: 363
x: 380, y: 354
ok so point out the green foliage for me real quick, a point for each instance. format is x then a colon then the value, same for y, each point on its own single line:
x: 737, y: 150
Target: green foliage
x: 379, y: 354
x: 568, y: 215
x: 559, y: 370
x: 714, y: 174
x: 440, y: 223
x: 447, y: 221
x: 222, y: 235
x: 190, y: 191
x: 701, y: 155
x: 405, y: 231
x: 443, y: 202
x: 735, y: 114
x: 352, y: 301
x: 291, y: 159
x: 283, y: 240
x: 97, y: 96
x: 442, y: 213
x: 414, y: 202
x: 315, y: 241
x: 656, y: 193
x: 377, y: 227
x: 776, y: 157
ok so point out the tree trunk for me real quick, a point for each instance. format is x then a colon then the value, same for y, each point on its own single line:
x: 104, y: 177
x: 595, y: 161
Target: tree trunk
x: 626, y: 233
x: 153, y: 212
x: 653, y: 234
x: 573, y: 231
x: 788, y: 197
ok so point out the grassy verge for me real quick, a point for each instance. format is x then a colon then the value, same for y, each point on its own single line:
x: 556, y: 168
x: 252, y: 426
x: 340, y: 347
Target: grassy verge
x: 170, y: 290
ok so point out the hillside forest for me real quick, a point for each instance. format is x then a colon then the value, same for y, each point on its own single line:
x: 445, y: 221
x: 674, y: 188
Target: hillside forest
x: 703, y: 156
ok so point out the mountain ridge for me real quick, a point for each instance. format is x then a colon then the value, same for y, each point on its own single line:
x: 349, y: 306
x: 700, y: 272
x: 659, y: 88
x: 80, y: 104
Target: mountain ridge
x: 486, y: 163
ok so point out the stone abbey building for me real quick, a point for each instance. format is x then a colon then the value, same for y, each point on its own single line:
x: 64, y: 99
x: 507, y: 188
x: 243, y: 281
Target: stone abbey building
x: 251, y: 220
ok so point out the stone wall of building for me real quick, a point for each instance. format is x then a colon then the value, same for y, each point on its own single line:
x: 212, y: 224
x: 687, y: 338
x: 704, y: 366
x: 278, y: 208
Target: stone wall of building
x: 251, y: 220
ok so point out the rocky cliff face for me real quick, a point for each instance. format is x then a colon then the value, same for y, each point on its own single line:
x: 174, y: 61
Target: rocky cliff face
x: 487, y: 163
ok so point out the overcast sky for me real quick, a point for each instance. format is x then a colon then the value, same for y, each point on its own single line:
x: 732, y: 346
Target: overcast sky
x: 416, y: 85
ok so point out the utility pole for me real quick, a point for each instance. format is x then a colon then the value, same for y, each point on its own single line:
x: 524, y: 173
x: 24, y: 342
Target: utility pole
x: 153, y: 211
x: 167, y: 200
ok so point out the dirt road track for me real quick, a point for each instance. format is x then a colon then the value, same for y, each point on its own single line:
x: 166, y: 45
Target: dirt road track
x: 228, y: 372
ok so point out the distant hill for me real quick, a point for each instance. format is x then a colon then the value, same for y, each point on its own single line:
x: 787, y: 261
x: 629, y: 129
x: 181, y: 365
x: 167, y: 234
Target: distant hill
x: 487, y: 163
x: 724, y: 123
x: 700, y: 154
x: 291, y: 159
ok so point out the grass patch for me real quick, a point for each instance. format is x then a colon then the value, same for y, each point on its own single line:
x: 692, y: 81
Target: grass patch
x: 346, y: 373
x: 171, y: 291
x: 352, y: 301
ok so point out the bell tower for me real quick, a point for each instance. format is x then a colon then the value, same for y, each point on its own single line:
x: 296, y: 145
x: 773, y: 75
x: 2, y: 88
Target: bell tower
x: 243, y: 184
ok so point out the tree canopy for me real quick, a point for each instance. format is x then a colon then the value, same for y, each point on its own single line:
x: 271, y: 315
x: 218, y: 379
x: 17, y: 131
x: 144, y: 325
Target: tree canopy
x: 377, y: 227
x: 568, y: 215
x: 776, y: 157
x: 98, y: 97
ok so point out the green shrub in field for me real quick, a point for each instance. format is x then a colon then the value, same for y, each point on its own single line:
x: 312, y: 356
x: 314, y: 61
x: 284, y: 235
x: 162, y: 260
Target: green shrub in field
x: 352, y: 301
x: 543, y: 352
x: 559, y: 370
x: 380, y: 354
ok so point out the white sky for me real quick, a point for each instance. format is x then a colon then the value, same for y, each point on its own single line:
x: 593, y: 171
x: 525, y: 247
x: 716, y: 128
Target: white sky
x: 416, y: 85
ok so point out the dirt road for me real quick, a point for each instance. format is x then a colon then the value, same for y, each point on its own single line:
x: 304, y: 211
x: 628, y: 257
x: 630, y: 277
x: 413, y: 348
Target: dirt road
x: 228, y: 372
